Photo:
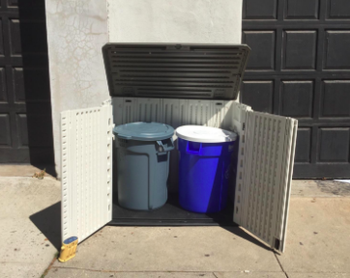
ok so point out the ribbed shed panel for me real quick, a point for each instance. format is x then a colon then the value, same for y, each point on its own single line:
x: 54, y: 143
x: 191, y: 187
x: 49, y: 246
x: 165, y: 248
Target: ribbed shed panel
x: 264, y: 176
x: 86, y: 170
x: 169, y: 71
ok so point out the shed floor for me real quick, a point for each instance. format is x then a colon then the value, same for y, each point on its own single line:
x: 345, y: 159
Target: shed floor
x: 171, y: 214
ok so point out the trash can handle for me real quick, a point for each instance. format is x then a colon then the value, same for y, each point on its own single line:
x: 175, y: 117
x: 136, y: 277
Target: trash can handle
x: 165, y: 146
x: 190, y: 149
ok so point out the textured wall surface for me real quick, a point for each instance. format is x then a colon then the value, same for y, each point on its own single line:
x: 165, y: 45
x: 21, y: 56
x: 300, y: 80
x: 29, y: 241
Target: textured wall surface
x: 77, y: 29
x: 201, y: 21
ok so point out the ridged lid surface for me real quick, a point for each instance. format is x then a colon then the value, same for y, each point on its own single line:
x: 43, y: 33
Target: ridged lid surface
x: 143, y: 131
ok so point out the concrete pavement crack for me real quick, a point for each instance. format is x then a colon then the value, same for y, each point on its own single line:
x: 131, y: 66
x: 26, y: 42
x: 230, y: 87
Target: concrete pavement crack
x: 278, y: 261
x: 50, y: 265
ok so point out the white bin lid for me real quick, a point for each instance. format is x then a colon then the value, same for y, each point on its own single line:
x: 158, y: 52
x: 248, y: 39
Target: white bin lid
x: 205, y: 134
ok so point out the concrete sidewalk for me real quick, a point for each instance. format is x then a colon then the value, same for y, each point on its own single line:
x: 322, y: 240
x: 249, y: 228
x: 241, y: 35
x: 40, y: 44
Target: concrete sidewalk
x: 318, y: 241
x: 29, y: 238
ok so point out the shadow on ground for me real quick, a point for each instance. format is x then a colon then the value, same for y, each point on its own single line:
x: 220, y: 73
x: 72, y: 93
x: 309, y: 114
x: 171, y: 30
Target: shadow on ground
x: 48, y: 221
x: 334, y: 187
x: 242, y: 234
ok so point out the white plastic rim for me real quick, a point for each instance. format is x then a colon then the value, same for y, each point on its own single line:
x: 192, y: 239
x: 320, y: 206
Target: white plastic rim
x: 205, y: 134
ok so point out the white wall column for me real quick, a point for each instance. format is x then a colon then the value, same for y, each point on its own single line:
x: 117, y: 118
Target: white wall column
x: 77, y: 30
x: 196, y: 21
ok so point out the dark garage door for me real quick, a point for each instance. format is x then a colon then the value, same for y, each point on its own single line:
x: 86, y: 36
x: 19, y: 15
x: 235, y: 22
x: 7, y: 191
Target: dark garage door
x: 25, y: 110
x: 300, y: 67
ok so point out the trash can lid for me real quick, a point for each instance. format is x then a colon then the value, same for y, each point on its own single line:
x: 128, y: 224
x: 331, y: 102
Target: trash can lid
x: 143, y: 131
x: 205, y: 134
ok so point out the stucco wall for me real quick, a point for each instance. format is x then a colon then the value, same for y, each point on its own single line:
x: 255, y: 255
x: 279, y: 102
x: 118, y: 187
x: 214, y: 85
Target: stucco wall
x: 201, y: 21
x: 77, y: 29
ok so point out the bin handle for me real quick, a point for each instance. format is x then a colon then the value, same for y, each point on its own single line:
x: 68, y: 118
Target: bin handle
x: 192, y: 150
x: 165, y: 146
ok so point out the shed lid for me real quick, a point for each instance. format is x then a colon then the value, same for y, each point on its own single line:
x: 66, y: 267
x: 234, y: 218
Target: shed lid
x: 143, y: 131
x: 169, y: 70
x: 205, y: 134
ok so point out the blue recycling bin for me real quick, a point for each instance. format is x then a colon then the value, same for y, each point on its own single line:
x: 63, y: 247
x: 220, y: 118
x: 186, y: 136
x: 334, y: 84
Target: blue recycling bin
x: 204, y: 167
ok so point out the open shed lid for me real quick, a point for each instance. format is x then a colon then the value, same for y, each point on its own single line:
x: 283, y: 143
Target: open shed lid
x: 168, y: 70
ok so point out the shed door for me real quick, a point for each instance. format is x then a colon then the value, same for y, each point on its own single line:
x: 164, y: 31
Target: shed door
x: 86, y: 170
x: 264, y: 176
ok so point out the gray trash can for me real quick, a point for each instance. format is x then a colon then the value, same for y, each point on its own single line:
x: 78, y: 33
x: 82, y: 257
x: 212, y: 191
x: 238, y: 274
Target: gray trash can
x: 143, y: 164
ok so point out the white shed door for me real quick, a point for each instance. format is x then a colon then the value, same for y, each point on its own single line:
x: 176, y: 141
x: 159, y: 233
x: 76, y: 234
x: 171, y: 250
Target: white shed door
x: 86, y: 170
x: 265, y: 169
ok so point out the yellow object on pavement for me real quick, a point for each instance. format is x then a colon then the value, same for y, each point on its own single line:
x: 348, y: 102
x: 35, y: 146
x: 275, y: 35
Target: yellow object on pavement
x: 68, y: 249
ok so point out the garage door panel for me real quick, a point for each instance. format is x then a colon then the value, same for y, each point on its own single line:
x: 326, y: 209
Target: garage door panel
x: 15, y: 37
x: 252, y: 9
x: 1, y: 38
x: 333, y: 144
x: 303, y: 146
x: 22, y: 129
x: 335, y: 99
x: 325, y: 170
x: 338, y: 9
x: 5, y: 134
x: 3, y: 92
x: 297, y: 98
x: 9, y: 155
x: 259, y: 95
x: 262, y: 43
x: 301, y: 9
x: 337, y: 50
x: 299, y: 50
x: 12, y: 3
x: 17, y: 77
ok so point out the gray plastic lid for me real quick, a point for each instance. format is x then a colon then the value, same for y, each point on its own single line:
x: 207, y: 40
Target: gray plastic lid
x: 143, y: 131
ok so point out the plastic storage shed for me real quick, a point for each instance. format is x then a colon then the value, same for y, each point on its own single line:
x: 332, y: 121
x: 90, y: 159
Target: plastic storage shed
x: 149, y: 82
